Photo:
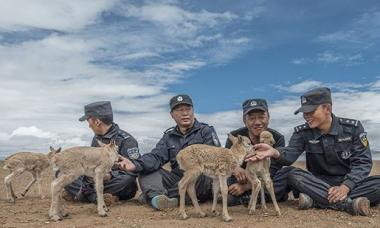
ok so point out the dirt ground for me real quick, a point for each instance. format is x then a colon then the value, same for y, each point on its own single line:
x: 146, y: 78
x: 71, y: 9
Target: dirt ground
x: 31, y: 211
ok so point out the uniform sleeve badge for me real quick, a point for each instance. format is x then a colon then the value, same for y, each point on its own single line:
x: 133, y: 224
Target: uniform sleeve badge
x: 363, y: 139
x: 133, y: 153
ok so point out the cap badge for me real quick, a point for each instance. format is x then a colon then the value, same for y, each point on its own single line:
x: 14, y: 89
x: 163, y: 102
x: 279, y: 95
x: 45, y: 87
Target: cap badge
x: 303, y: 100
x: 179, y: 98
x: 253, y: 103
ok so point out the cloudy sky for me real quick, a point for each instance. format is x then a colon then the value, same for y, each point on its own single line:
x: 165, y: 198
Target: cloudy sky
x: 58, y: 55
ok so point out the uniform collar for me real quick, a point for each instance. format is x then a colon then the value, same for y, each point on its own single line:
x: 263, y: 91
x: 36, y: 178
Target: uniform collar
x: 334, y: 125
x: 333, y: 128
x: 195, y: 127
x: 110, y: 133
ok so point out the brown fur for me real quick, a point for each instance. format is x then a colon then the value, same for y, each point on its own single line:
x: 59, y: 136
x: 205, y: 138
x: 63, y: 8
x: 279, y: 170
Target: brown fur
x: 71, y: 163
x: 215, y: 162
x: 18, y: 163
x: 258, y: 172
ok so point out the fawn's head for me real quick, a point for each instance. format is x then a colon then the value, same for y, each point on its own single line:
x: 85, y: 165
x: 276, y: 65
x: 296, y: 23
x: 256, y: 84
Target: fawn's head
x: 241, y: 143
x: 110, y: 147
x: 267, y: 138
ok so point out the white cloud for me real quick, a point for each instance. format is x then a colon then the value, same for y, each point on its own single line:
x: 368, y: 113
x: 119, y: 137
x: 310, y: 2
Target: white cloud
x: 61, y: 15
x: 301, y: 61
x: 300, y: 87
x: 329, y: 57
x: 33, y: 131
x: 360, y: 33
x: 85, y: 57
x: 332, y: 57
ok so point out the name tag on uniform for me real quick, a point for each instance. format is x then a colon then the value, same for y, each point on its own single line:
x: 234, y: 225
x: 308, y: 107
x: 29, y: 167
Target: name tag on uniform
x: 313, y: 141
x: 345, y: 139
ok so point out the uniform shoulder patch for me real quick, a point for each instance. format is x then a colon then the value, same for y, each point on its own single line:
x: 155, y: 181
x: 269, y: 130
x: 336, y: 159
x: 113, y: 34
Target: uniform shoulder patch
x: 133, y: 153
x: 169, y: 130
x: 124, y: 134
x: 301, y: 127
x: 347, y: 121
x: 364, y: 139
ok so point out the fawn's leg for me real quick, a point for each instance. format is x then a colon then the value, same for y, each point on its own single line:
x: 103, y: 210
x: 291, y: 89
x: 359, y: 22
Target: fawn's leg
x: 99, y: 187
x: 56, y: 209
x: 269, y: 185
x: 29, y: 185
x: 262, y: 196
x: 215, y: 190
x: 224, y: 190
x: 256, y: 186
x: 192, y: 193
x: 38, y: 176
x: 182, y: 188
x: 11, y: 196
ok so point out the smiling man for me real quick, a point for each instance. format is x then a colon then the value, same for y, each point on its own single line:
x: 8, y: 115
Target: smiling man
x: 338, y: 158
x: 160, y: 186
x: 256, y: 120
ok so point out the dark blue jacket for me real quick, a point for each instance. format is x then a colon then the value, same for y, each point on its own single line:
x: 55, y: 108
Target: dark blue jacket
x: 128, y: 146
x: 342, y: 153
x: 171, y: 143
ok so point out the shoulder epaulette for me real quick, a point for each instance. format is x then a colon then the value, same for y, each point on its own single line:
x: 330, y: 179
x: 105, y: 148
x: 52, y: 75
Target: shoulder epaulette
x: 350, y: 122
x: 169, y: 130
x: 124, y: 134
x: 301, y: 127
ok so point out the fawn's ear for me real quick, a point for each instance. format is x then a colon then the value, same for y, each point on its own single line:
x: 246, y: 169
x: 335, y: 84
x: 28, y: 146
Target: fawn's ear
x: 113, y: 142
x: 240, y: 139
x: 232, y: 138
x: 55, y: 150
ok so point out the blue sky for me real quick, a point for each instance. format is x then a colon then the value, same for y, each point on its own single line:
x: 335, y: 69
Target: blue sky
x: 57, y: 56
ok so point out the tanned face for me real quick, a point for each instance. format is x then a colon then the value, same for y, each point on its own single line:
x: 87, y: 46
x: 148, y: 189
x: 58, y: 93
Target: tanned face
x: 256, y: 121
x: 319, y: 118
x: 183, y: 115
x: 95, y: 125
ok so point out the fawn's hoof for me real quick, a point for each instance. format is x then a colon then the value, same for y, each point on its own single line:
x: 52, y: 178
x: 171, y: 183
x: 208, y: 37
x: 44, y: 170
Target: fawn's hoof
x: 251, y: 212
x: 102, y: 214
x: 64, y: 214
x: 183, y: 216
x: 215, y: 213
x: 105, y: 208
x: 227, y: 218
x: 12, y: 200
x: 56, y: 218
x: 201, y: 214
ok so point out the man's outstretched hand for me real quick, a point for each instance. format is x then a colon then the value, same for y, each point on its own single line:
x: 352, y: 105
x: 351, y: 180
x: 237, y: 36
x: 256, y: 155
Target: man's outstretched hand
x: 125, y: 164
x: 262, y: 151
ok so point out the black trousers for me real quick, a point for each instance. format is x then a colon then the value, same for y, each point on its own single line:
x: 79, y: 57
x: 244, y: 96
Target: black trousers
x: 164, y: 182
x: 122, y: 185
x: 317, y: 187
x: 280, y: 185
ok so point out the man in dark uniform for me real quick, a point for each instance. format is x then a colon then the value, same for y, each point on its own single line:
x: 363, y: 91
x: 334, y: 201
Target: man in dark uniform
x: 160, y: 186
x: 256, y: 120
x: 338, y: 158
x: 119, y: 185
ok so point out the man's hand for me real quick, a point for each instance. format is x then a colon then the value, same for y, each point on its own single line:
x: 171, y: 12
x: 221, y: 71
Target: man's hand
x: 337, y: 193
x: 126, y: 164
x: 238, y: 189
x: 239, y: 173
x: 262, y: 151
